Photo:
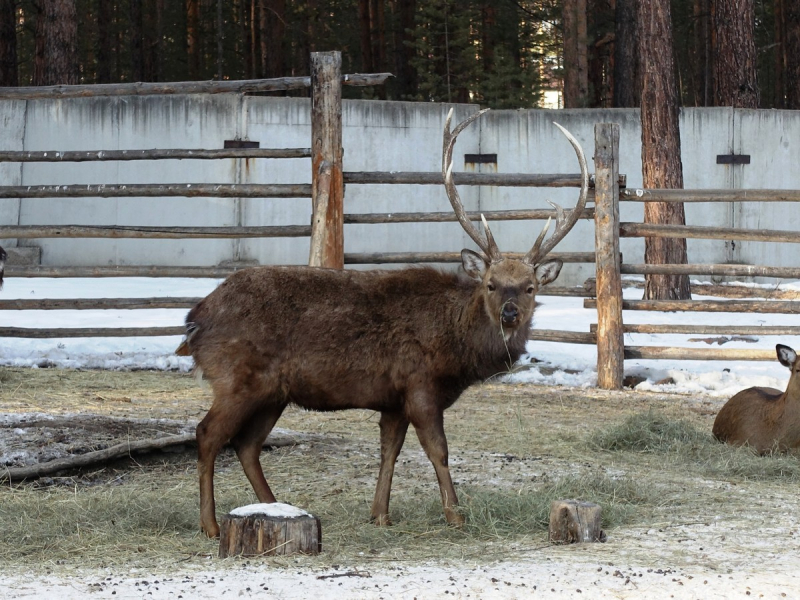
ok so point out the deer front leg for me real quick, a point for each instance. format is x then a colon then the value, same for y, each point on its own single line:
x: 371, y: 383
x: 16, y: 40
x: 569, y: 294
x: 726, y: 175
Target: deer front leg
x: 429, y: 425
x: 393, y: 433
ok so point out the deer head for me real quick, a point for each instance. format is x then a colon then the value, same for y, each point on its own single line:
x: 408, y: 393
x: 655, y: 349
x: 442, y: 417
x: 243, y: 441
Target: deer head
x: 510, y: 285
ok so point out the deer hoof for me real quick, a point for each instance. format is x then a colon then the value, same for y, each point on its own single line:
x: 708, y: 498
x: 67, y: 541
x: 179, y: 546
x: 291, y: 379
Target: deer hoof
x: 212, y: 532
x: 381, y: 520
x: 455, y: 519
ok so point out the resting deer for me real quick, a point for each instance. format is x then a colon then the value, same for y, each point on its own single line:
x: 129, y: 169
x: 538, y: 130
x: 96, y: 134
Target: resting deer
x: 764, y: 418
x: 405, y: 343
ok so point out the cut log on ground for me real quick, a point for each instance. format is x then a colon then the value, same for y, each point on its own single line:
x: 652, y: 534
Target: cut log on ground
x: 572, y: 521
x: 269, y: 530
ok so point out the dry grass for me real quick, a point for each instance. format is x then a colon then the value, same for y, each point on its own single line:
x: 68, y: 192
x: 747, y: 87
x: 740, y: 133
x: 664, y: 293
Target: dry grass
x: 645, y: 458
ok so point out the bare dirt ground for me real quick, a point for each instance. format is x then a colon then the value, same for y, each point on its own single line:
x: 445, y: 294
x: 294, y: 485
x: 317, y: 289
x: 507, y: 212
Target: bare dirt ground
x: 695, y: 532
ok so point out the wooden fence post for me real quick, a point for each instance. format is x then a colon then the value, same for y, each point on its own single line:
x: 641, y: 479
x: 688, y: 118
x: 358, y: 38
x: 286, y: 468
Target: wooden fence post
x: 327, y: 188
x: 610, y: 343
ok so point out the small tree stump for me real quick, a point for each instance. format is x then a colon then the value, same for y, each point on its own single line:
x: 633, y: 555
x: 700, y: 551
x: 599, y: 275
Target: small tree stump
x: 269, y: 530
x: 575, y: 522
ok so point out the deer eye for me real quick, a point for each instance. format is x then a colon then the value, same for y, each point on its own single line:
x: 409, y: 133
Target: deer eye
x: 491, y: 287
x: 531, y: 290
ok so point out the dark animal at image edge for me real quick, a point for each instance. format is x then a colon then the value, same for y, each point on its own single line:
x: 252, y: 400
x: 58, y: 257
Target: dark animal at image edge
x: 764, y: 418
x: 405, y: 343
x: 3, y: 257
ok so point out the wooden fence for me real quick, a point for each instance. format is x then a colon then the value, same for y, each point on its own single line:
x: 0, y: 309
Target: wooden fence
x: 328, y: 219
x: 608, y: 332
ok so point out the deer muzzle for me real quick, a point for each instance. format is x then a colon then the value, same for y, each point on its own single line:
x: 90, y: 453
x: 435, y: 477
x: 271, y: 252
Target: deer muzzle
x: 509, y: 313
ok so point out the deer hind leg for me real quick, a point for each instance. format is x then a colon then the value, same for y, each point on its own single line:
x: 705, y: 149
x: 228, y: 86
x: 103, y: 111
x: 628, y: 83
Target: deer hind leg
x: 221, y: 423
x: 248, y: 443
x: 430, y: 431
x: 393, y: 433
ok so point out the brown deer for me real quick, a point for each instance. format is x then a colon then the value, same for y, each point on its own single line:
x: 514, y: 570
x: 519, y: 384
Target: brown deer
x: 3, y: 257
x: 764, y: 418
x: 405, y: 343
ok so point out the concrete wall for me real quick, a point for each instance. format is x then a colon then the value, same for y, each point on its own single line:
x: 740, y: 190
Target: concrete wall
x: 378, y: 136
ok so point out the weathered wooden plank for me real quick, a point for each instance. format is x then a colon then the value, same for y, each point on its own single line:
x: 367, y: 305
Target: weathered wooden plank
x: 121, y: 271
x: 737, y: 306
x: 152, y: 154
x: 466, y: 178
x: 555, y: 335
x: 327, y: 242
x: 181, y: 87
x: 185, y: 190
x: 713, y: 269
x: 673, y: 353
x: 708, y: 233
x: 361, y: 258
x: 97, y: 303
x: 610, y: 346
x: 724, y: 195
x: 724, y: 330
x: 449, y: 216
x: 74, y: 332
x: 115, y: 231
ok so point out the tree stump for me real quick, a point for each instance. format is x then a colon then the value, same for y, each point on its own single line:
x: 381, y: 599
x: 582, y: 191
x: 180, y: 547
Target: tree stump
x: 269, y: 530
x: 573, y: 522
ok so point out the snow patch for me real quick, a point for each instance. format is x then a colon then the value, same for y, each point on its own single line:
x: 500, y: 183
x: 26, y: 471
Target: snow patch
x: 275, y: 509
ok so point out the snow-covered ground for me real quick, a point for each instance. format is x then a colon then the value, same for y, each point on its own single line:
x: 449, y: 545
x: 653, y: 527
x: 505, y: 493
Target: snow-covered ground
x: 574, y: 364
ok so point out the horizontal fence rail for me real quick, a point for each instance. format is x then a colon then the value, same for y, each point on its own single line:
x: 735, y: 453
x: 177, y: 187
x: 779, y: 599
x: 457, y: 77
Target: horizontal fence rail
x: 150, y: 190
x: 154, y: 154
x: 707, y: 233
x: 717, y: 269
x: 675, y: 353
x: 737, y: 306
x: 277, y: 84
x: 709, y: 329
x: 75, y: 332
x: 100, y: 231
x: 640, y: 195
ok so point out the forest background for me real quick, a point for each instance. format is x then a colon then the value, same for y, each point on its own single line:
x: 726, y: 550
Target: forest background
x: 497, y: 53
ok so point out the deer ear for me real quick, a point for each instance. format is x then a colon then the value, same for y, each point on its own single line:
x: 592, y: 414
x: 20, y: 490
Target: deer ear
x: 548, y: 272
x: 474, y: 264
x: 786, y: 355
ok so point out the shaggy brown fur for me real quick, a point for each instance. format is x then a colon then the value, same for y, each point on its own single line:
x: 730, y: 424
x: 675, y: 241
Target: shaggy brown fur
x: 764, y: 418
x: 405, y: 343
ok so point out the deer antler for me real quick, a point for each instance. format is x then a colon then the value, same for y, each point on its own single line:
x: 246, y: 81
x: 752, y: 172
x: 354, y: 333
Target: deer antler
x: 485, y: 243
x: 563, y: 223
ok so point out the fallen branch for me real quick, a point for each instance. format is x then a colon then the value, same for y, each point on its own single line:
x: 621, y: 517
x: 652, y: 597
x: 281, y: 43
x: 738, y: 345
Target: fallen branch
x: 92, y: 458
x: 347, y: 574
x: 119, y: 451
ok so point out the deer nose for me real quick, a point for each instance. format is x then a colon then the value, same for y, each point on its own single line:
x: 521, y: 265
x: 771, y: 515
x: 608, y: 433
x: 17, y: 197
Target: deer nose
x: 510, y: 313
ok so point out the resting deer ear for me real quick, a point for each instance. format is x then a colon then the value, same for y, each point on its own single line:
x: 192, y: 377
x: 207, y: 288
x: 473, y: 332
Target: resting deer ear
x: 474, y: 264
x: 547, y: 272
x: 786, y: 355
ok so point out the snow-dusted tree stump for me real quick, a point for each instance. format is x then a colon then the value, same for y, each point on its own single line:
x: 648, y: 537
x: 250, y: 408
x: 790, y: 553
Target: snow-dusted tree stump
x: 573, y: 522
x: 267, y: 530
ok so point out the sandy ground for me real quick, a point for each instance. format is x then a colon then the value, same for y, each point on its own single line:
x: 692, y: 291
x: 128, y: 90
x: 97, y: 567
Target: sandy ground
x: 533, y: 576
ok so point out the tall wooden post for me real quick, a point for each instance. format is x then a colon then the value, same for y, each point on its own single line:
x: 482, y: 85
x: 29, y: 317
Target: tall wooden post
x: 610, y: 343
x: 327, y: 189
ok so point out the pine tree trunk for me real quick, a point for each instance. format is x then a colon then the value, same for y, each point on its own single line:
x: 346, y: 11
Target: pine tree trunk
x: 792, y: 75
x: 661, y: 146
x: 576, y: 66
x: 626, y: 68
x: 404, y: 52
x: 56, y: 60
x: 701, y: 53
x: 193, y: 38
x: 137, y: 41
x: 8, y: 44
x: 734, y: 52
